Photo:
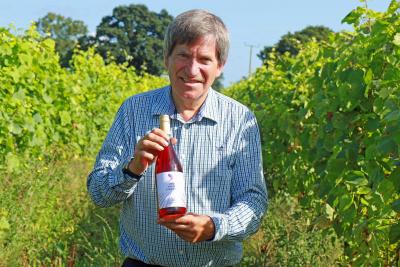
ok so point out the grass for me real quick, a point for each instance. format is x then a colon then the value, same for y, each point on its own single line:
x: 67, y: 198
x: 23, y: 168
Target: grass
x: 287, y: 238
x: 47, y: 219
x: 50, y: 221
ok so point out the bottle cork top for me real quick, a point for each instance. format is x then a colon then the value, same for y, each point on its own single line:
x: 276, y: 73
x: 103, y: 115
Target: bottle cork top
x: 165, y: 124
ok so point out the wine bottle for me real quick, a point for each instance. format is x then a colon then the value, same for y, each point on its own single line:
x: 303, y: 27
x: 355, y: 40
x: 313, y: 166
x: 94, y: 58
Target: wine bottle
x: 170, y: 181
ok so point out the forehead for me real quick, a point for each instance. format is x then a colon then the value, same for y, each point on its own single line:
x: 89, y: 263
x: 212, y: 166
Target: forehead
x: 205, y: 44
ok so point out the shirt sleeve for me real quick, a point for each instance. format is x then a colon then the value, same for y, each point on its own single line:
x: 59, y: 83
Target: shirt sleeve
x: 249, y: 193
x: 107, y: 185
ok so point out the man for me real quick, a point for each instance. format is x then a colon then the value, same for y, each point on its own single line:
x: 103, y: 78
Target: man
x: 217, y: 140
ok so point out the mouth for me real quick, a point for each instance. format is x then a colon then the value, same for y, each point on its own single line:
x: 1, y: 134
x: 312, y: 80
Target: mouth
x: 191, y: 81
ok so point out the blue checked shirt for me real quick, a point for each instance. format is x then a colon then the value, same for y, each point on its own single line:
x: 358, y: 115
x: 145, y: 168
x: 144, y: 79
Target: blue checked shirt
x: 219, y: 149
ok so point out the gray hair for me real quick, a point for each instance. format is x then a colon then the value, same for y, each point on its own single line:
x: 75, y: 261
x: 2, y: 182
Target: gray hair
x: 193, y: 24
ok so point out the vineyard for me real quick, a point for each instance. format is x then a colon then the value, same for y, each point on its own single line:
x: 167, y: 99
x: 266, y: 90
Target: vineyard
x: 53, y: 121
x: 330, y: 125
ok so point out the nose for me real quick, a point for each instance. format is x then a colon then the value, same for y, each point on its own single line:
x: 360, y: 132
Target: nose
x: 192, y: 68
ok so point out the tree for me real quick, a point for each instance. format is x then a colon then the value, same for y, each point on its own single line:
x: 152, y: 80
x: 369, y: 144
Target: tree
x: 64, y: 31
x: 290, y: 42
x: 133, y: 35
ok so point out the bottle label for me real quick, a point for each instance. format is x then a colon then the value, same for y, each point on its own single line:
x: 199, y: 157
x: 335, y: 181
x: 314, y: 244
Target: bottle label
x: 171, y: 189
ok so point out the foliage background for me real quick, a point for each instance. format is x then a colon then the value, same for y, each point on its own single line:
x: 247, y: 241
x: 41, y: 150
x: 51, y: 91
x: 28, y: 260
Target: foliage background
x: 330, y: 124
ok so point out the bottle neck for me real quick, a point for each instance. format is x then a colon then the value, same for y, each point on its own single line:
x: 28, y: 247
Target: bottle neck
x: 165, y: 125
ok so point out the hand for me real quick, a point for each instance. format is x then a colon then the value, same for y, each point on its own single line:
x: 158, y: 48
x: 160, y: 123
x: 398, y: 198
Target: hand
x: 191, y: 227
x: 147, y: 149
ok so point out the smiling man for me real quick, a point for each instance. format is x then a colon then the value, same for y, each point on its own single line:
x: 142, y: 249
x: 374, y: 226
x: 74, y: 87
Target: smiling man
x: 217, y: 140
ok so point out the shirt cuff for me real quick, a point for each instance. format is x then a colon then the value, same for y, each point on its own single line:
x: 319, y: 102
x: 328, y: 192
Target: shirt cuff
x: 221, y: 226
x: 121, y: 181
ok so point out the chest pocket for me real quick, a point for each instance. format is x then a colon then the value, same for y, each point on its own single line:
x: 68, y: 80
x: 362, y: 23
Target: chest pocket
x: 222, y: 159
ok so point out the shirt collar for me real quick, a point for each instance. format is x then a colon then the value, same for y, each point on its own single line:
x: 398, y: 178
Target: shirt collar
x: 165, y: 105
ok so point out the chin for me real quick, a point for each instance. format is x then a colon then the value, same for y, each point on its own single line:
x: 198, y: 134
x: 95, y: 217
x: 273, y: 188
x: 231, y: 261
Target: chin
x: 191, y: 95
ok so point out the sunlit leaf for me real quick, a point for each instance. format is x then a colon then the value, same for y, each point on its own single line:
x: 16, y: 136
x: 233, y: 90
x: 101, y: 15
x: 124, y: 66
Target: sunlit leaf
x: 396, y: 39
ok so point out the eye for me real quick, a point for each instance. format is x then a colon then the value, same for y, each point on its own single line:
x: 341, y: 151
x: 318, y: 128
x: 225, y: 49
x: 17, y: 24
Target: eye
x: 206, y: 60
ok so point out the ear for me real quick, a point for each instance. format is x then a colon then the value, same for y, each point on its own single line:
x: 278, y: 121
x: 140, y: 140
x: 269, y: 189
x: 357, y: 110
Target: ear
x: 220, y: 68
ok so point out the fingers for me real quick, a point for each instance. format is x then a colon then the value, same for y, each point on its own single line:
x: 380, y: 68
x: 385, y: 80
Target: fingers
x: 191, y: 227
x: 148, y: 147
x: 177, y: 227
x: 145, y: 156
x: 157, y: 136
x: 160, y: 132
x: 183, y: 226
x: 185, y: 219
x: 173, y: 141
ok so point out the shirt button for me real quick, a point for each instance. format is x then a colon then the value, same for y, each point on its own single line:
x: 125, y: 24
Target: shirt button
x: 183, y: 156
x: 181, y: 252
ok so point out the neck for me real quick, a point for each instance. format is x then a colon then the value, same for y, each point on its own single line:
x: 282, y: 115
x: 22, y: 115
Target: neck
x: 188, y: 108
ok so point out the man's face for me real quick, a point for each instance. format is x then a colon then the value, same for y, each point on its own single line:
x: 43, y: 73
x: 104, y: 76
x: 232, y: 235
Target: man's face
x: 193, y: 68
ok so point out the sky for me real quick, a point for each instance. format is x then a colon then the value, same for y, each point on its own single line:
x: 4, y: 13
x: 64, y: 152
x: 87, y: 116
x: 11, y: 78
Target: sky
x: 251, y: 23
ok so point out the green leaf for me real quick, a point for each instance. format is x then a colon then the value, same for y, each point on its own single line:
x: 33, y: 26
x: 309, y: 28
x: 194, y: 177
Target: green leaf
x: 392, y: 116
x: 375, y: 172
x: 39, y: 138
x: 396, y: 205
x: 368, y: 76
x: 65, y: 118
x: 12, y: 162
x: 358, y: 182
x: 393, y: 7
x: 363, y: 190
x: 4, y: 225
x: 16, y: 76
x: 370, y: 152
x: 394, y: 177
x: 394, y: 233
x: 20, y: 95
x: 384, y: 92
x: 356, y: 178
x: 14, y: 128
x: 372, y: 124
x: 345, y: 202
x: 37, y: 118
x: 353, y: 17
x: 29, y: 124
x: 329, y: 211
x: 396, y: 39
x: 386, y: 189
x: 47, y: 99
x: 335, y: 167
x: 386, y: 146
x: 340, y: 121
